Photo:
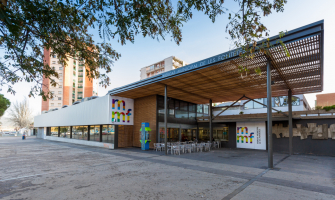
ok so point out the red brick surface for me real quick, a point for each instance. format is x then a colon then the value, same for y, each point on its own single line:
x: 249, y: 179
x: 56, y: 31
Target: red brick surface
x: 325, y: 99
x: 45, y: 82
x: 125, y: 136
x: 145, y: 111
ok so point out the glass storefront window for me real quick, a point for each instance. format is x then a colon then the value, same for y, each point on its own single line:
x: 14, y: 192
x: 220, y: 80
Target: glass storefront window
x: 95, y: 133
x: 65, y: 131
x: 161, y: 135
x: 108, y: 133
x: 186, y: 135
x: 54, y: 131
x: 79, y: 132
x: 220, y: 134
x: 204, y: 135
x: 173, y: 134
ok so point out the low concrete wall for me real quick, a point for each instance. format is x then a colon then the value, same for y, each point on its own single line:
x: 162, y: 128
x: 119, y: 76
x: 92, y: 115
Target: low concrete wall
x: 82, y: 142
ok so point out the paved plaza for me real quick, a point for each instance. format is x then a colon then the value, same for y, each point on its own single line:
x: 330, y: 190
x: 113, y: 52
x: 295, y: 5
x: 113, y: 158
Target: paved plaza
x: 41, y: 169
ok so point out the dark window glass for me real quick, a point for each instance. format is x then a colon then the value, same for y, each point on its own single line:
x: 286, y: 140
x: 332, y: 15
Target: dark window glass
x: 186, y: 135
x: 171, y: 104
x: 161, y: 112
x: 183, y: 105
x: 176, y: 103
x: 108, y: 133
x: 192, y: 107
x: 204, y: 135
x: 173, y: 134
x: 200, y: 108
x: 160, y: 102
x: 181, y: 114
x: 220, y: 134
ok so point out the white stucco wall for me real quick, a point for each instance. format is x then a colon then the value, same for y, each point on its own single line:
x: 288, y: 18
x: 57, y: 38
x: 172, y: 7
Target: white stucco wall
x: 82, y: 142
x: 86, y: 113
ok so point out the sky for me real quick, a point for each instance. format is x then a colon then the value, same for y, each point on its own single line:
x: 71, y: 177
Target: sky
x: 203, y: 39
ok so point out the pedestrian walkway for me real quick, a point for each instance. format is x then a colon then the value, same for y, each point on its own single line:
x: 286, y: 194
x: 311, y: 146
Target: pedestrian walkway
x: 69, y: 171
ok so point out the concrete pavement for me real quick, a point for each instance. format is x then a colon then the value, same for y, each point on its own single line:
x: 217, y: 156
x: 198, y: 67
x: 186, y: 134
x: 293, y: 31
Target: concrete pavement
x: 40, y: 169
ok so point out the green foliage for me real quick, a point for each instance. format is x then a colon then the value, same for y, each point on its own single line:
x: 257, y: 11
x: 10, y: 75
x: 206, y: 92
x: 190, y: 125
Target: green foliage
x: 245, y: 27
x: 4, y: 104
x: 62, y: 26
x: 241, y: 113
x: 318, y: 108
x: 328, y: 108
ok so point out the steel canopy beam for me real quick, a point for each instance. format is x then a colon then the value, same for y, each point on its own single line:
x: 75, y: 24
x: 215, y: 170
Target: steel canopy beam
x: 264, y: 105
x: 228, y: 107
x: 269, y: 115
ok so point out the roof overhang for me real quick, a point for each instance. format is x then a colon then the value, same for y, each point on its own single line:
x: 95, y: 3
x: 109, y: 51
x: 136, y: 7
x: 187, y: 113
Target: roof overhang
x: 217, y: 77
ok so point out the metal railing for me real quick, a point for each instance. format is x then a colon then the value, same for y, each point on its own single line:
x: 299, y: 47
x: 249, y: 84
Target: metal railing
x: 307, y: 114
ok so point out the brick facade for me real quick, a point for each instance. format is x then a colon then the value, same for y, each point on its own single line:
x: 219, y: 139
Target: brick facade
x: 325, y: 99
x: 88, y: 88
x: 46, y: 81
x: 125, y: 136
x: 145, y: 111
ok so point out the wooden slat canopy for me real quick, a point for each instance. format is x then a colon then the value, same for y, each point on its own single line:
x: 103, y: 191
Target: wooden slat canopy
x: 217, y: 78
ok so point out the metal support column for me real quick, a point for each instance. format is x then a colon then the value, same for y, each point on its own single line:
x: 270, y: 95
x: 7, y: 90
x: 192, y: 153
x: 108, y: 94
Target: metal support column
x: 210, y: 121
x: 290, y: 125
x: 269, y: 109
x: 165, y: 118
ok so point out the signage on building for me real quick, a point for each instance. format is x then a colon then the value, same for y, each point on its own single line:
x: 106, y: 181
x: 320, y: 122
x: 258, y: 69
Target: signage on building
x: 208, y: 61
x: 121, y: 110
x: 251, y: 135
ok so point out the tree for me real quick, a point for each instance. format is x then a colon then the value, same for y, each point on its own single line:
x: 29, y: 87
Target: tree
x: 20, y: 114
x: 28, y: 26
x: 4, y: 104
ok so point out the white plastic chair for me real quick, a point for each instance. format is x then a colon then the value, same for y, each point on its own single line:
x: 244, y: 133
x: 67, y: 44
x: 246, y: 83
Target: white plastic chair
x: 207, y: 146
x: 158, y: 146
x: 199, y: 147
x: 176, y: 149
x: 188, y: 148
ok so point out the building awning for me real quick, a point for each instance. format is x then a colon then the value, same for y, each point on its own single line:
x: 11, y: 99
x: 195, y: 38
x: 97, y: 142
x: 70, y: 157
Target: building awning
x: 217, y: 78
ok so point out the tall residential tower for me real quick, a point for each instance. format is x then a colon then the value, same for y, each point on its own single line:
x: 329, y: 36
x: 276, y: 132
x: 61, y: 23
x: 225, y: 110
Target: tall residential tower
x: 165, y: 65
x: 73, y: 83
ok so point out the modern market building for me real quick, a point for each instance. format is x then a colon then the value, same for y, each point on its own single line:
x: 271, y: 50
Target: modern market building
x: 180, y: 101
